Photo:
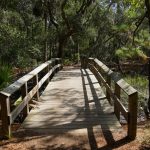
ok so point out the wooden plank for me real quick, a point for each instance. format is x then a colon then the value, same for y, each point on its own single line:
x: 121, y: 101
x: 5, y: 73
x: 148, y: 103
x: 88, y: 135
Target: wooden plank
x: 68, y: 126
x: 63, y: 119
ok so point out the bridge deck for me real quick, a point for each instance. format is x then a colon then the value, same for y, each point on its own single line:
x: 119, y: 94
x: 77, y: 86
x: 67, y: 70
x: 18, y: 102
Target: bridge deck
x: 74, y: 103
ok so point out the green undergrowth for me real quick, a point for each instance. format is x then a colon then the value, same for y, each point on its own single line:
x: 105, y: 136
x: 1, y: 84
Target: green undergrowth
x: 140, y: 83
x: 5, y: 75
x: 145, y: 145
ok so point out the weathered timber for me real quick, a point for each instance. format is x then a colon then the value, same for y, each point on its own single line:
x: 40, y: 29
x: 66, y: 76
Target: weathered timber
x: 128, y: 89
x: 117, y: 93
x: 71, y: 103
x: 100, y: 70
x: 107, y: 92
x: 5, y: 111
x: 24, y: 92
x: 132, y: 123
x: 8, y: 116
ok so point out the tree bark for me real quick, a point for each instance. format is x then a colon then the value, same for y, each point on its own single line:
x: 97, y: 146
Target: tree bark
x: 45, y: 51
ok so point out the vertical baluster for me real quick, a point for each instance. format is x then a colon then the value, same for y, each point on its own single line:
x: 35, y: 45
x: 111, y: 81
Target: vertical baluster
x: 117, y: 93
x: 108, y: 80
x: 37, y: 95
x: 24, y: 92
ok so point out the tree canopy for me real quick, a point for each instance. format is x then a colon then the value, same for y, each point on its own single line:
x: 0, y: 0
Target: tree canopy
x: 40, y: 29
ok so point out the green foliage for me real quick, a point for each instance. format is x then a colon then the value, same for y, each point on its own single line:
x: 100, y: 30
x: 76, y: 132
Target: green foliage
x: 139, y: 82
x: 67, y: 62
x: 18, y: 101
x: 128, y: 52
x: 5, y: 73
x: 121, y: 27
x: 102, y: 29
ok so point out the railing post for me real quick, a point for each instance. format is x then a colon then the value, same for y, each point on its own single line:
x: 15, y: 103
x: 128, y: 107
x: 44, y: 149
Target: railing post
x: 24, y: 92
x: 5, y: 112
x: 117, y: 93
x: 132, y: 121
x: 37, y: 95
x: 84, y: 62
x: 108, y: 80
x: 61, y: 62
x: 48, y: 69
x: 52, y: 65
x: 56, y: 63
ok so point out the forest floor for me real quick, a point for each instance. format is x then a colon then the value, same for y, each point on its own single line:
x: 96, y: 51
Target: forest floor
x: 34, y: 141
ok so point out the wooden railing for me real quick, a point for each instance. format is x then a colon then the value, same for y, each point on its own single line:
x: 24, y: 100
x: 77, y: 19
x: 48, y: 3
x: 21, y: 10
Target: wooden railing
x: 38, y: 76
x: 105, y: 76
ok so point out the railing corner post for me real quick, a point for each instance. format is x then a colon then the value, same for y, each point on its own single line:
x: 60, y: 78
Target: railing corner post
x: 132, y: 121
x: 5, y: 112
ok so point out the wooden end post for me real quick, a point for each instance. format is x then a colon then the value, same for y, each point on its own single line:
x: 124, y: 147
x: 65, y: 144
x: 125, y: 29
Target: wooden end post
x: 24, y: 92
x: 5, y: 112
x: 132, y: 121
x: 117, y: 93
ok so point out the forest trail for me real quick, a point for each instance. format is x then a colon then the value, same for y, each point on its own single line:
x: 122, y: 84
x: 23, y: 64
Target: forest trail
x: 73, y: 114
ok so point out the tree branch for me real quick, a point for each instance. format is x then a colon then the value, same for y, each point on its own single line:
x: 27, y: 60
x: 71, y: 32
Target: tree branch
x: 138, y: 23
x: 64, y: 15
x: 52, y: 19
x: 147, y: 4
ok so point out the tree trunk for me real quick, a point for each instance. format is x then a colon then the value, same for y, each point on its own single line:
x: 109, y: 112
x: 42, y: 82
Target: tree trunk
x: 45, y: 51
x: 60, y: 48
x: 119, y: 66
x: 149, y: 85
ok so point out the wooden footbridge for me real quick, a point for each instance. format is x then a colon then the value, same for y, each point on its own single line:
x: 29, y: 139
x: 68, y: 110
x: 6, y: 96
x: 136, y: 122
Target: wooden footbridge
x: 74, y: 99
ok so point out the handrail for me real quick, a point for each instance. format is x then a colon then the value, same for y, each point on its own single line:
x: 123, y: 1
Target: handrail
x: 100, y: 70
x: 7, y: 115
